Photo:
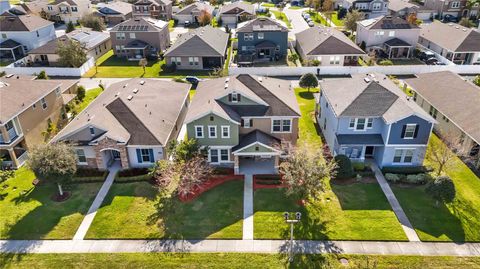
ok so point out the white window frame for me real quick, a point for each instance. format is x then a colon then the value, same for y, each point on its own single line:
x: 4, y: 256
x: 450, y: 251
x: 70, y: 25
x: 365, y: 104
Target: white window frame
x: 132, y: 35
x: 210, y: 134
x: 403, y: 155
x: 120, y: 36
x: 369, y: 122
x: 220, y: 155
x: 57, y: 92
x: 210, y: 155
x: 44, y: 103
x: 91, y: 130
x: 234, y: 97
x: 260, y: 35
x: 197, y: 127
x: 354, y: 128
x: 456, y: 4
x: 391, y: 33
x: 142, y: 155
x: 282, y: 125
x: 377, y: 6
x: 412, y: 132
x: 225, y: 127
x: 248, y: 37
x: 81, y: 155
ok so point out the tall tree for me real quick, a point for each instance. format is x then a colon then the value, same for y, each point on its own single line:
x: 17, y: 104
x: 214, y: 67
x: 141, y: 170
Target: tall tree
x: 56, y: 163
x: 308, y: 80
x: 204, y: 18
x: 442, y: 189
x: 351, y: 19
x: 70, y: 27
x: 94, y: 22
x: 443, y: 153
x: 71, y: 53
x: 184, y: 150
x: 306, y: 172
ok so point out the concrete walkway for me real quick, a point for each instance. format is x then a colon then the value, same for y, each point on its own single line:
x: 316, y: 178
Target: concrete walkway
x: 248, y: 208
x: 87, y: 221
x: 254, y: 246
x: 401, y: 216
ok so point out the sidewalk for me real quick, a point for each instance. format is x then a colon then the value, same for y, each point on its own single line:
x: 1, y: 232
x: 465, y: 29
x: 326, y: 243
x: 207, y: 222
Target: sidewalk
x: 248, y: 208
x: 253, y: 246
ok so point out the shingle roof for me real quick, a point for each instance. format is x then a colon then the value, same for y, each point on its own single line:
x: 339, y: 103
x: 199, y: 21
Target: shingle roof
x: 89, y: 39
x: 22, y: 23
x: 256, y: 136
x: 452, y: 96
x: 203, y: 41
x: 360, y: 139
x: 373, y: 95
x: 237, y: 8
x: 117, y: 7
x: 387, y: 22
x: 149, y: 116
x: 70, y: 2
x: 274, y: 97
x: 142, y: 24
x: 197, y: 6
x: 321, y: 40
x: 147, y: 2
x: 397, y: 42
x: 397, y: 5
x: 451, y: 36
x: 262, y: 24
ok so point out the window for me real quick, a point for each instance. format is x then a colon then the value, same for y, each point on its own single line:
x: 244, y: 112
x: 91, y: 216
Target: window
x: 325, y: 124
x: 224, y: 156
x: 415, y: 96
x: 235, y: 97
x: 433, y: 112
x: 403, y: 155
x: 145, y: 156
x: 92, y: 131
x: 44, y: 103
x: 351, y: 125
x: 334, y: 59
x: 445, y: 119
x: 369, y: 123
x: 455, y: 4
x: 212, y: 131
x: 379, y: 33
x: 391, y: 33
x: 193, y: 60
x: 408, y: 156
x: 120, y: 36
x: 260, y: 36
x: 282, y: 126
x: 132, y: 35
x: 38, y: 35
x: 177, y: 60
x: 198, y: 131
x: 50, y: 8
x: 247, y: 123
x: 248, y: 37
x: 226, y: 131
x: 214, y: 155
x: 4, y: 35
x: 81, y: 158
x: 377, y: 6
x: 57, y: 92
x: 34, y: 106
x: 360, y: 124
x: 74, y: 9
x: 398, y: 156
x: 410, y: 130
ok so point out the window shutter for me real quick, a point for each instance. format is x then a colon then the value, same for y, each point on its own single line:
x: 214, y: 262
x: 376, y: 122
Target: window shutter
x: 150, y: 152
x: 229, y: 97
x: 242, y: 123
x: 139, y: 156
x: 416, y: 131
x: 403, y: 131
x: 251, y: 122
x: 239, y: 97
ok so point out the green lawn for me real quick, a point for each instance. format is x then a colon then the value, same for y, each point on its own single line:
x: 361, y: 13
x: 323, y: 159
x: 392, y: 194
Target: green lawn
x: 268, y: 4
x: 348, y: 212
x: 458, y: 221
x: 281, y: 16
x: 230, y: 260
x: 295, y: 7
x: 335, y: 19
x: 317, y: 18
x: 308, y: 131
x: 413, y: 61
x: 90, y: 95
x: 27, y: 212
x: 129, y: 211
x: 110, y: 66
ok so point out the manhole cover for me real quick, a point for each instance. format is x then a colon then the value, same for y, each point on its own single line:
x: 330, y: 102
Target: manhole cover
x: 344, y: 261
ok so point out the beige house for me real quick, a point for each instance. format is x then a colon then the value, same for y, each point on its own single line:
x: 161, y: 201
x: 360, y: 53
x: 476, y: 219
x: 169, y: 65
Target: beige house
x: 157, y: 9
x: 454, y: 103
x: 27, y: 107
x: 68, y: 10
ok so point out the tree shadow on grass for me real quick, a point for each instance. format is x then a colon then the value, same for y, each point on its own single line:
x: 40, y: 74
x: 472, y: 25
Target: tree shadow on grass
x: 307, y: 95
x: 119, y: 61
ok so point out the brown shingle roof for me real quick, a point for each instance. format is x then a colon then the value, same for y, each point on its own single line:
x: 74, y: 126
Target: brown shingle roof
x: 22, y: 23
x: 451, y: 36
x: 262, y: 24
x: 203, y: 41
x: 321, y: 40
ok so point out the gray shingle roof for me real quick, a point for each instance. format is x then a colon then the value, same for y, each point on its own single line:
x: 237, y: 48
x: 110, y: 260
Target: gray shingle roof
x: 387, y: 22
x: 203, y: 41
x: 196, y: 7
x: 237, y: 8
x: 360, y: 139
x: 256, y: 136
x: 397, y: 42
x: 321, y: 40
x: 89, y: 39
x: 452, y: 96
x: 22, y: 23
x: 142, y: 24
x: 9, y: 44
x: 262, y: 24
x: 117, y: 7
x: 451, y: 36
x: 373, y: 101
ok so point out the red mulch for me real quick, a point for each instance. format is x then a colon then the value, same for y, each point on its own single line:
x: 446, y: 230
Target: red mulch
x: 61, y: 198
x: 209, y: 184
x: 266, y: 186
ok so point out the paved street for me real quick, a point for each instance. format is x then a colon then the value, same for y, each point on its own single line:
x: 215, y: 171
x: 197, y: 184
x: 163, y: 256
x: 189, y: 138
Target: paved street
x: 296, y: 20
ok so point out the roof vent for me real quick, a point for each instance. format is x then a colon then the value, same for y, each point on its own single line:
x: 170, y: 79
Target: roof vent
x: 457, y: 27
x: 227, y: 79
x: 464, y: 29
x: 125, y: 85
x: 9, y: 76
x: 450, y: 24
x: 226, y: 85
x: 367, y: 80
x: 117, y: 94
x: 129, y: 98
x: 260, y: 79
x: 142, y: 82
x: 135, y: 90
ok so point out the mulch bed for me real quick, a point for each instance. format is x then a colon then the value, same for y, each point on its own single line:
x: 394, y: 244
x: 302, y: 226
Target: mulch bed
x: 61, y: 198
x: 209, y: 184
x: 260, y: 182
x: 351, y: 181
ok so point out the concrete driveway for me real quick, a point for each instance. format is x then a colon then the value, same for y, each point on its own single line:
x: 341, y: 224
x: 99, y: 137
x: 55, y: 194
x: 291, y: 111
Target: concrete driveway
x: 176, y: 32
x: 296, y: 20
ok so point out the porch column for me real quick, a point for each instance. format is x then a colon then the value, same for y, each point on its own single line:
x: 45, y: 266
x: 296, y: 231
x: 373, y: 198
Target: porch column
x: 277, y: 163
x: 362, y: 157
x: 13, y: 157
x: 236, y: 165
x: 3, y: 133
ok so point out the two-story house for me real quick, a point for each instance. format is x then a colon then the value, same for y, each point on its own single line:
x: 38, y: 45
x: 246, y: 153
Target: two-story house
x: 131, y: 122
x: 457, y: 43
x: 114, y: 13
x: 157, y: 9
x: 236, y: 12
x: 68, y: 10
x: 328, y: 46
x: 370, y: 8
x: 369, y: 117
x: 261, y: 39
x: 394, y: 35
x: 139, y: 38
x: 457, y: 116
x: 202, y: 48
x: 453, y: 8
x: 27, y: 107
x: 244, y: 121
x: 20, y: 34
x: 189, y: 14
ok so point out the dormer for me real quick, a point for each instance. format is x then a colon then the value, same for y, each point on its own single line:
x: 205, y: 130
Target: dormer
x: 234, y: 97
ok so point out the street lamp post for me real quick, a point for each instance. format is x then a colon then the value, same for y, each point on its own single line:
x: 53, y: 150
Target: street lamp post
x: 298, y: 216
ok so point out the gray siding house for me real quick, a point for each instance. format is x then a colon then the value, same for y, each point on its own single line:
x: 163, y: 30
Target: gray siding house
x: 140, y: 38
x: 245, y: 121
x: 261, y: 39
x: 190, y: 13
x: 236, y: 12
x: 125, y: 124
x: 369, y: 117
x: 394, y: 35
x: 202, y: 48
x: 371, y: 8
x: 114, y: 13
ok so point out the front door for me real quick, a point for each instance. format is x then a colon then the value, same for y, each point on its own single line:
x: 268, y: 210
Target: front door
x: 115, y: 155
x: 369, y: 150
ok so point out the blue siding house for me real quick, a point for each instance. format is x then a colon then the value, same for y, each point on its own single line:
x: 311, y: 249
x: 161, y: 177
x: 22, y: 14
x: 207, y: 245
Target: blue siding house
x: 261, y: 39
x: 368, y: 116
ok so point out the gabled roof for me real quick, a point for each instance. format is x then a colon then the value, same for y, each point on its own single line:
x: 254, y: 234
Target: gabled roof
x: 387, y: 23
x: 273, y: 97
x: 203, y: 41
x: 262, y: 24
x: 256, y: 136
x: 147, y: 117
x: 451, y: 36
x: 142, y: 24
x: 373, y: 95
x: 321, y: 40
x: 453, y: 96
x: 397, y: 5
x: 156, y: 2
x: 70, y: 2
x: 23, y: 23
x: 89, y: 39
x: 196, y: 7
x: 114, y: 8
x: 238, y: 8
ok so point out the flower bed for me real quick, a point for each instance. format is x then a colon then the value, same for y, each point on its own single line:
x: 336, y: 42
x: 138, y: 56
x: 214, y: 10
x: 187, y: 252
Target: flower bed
x: 133, y: 175
x: 87, y: 175
x: 209, y: 184
x: 267, y: 182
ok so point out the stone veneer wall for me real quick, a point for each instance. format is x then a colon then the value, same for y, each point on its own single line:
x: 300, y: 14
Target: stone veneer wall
x: 108, y: 143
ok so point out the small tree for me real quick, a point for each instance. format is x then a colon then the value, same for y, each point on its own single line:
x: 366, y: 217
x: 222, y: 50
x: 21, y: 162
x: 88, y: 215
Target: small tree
x: 344, y: 167
x: 192, y: 174
x: 306, y: 172
x: 5, y: 173
x: 204, y: 18
x: 70, y: 27
x: 442, y: 189
x: 71, y: 53
x: 143, y: 63
x: 56, y: 163
x: 184, y: 150
x: 80, y: 93
x: 412, y: 18
x: 308, y: 80
x: 476, y: 80
x: 42, y: 75
x: 351, y: 19
x: 442, y: 153
x: 293, y: 57
x: 386, y: 62
x: 94, y: 22
x: 466, y: 22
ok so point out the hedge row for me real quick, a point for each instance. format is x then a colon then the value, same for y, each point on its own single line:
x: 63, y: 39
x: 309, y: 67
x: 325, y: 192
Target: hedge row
x: 406, y: 170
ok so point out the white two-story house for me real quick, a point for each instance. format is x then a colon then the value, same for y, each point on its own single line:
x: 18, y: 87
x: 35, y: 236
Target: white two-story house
x: 68, y: 10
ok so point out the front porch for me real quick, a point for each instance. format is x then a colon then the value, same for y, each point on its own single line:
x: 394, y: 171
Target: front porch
x: 359, y: 147
x: 14, y: 157
x: 398, y: 49
x: 137, y: 49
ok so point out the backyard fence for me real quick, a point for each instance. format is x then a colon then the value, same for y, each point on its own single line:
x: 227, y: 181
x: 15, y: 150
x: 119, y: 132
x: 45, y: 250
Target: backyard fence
x: 14, y: 68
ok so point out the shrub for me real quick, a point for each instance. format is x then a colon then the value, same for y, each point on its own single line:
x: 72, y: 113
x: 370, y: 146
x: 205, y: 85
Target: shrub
x: 133, y: 172
x: 406, y: 170
x: 80, y: 93
x: 359, y: 166
x: 89, y: 172
x: 293, y: 57
x: 416, y: 179
x: 385, y: 62
x: 223, y: 171
x: 442, y: 189
x: 345, y: 167
x: 315, y: 62
x: 394, y: 178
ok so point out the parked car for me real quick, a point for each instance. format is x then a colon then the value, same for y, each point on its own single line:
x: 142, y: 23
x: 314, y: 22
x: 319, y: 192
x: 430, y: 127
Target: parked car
x: 193, y: 80
x: 306, y: 16
x: 425, y: 55
x: 449, y: 18
x: 311, y: 23
x: 431, y: 61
